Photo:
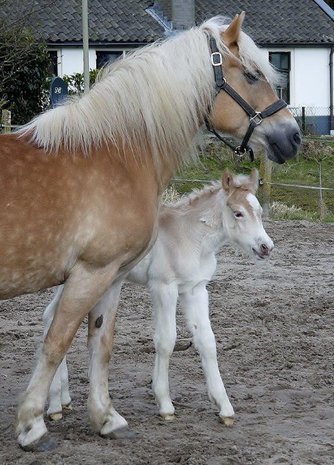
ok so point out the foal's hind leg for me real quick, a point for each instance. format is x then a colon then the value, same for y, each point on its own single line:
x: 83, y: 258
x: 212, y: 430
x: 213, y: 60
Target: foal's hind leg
x: 102, y: 318
x: 82, y: 290
x: 196, y: 308
x: 164, y: 299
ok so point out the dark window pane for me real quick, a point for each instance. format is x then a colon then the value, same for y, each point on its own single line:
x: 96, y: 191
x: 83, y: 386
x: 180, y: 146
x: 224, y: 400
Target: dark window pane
x: 53, y: 69
x: 103, y: 58
x: 285, y: 61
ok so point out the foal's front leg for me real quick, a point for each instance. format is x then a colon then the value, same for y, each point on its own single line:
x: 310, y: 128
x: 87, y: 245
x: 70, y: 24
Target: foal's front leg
x: 195, y: 305
x: 164, y: 299
x: 101, y: 327
x: 82, y: 290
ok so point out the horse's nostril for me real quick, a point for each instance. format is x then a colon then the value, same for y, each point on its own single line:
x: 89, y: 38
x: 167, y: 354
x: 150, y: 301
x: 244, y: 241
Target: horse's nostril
x: 264, y: 249
x: 297, y: 138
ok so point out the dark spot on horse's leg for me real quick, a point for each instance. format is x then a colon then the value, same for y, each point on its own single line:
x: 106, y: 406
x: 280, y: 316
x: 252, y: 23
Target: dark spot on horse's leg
x: 121, y: 433
x: 99, y: 321
x: 44, y: 444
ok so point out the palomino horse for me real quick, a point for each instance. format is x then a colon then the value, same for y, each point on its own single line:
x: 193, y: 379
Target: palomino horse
x: 180, y: 264
x: 80, y: 186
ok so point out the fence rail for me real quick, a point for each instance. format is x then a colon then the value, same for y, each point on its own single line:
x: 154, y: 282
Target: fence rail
x: 299, y: 186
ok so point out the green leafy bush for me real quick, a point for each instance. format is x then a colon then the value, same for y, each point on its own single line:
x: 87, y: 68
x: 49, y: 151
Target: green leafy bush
x: 24, y: 69
x: 75, y: 81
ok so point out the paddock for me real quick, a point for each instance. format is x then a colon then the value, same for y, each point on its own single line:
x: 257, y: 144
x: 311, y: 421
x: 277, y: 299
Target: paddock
x: 274, y: 327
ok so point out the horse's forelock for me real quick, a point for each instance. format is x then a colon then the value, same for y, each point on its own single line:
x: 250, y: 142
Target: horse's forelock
x: 251, y: 56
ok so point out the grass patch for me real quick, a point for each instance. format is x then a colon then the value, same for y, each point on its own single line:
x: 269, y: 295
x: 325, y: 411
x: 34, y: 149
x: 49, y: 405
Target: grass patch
x: 299, y: 203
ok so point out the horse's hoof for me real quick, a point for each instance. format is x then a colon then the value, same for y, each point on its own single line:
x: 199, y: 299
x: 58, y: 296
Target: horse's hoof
x: 227, y: 421
x: 44, y: 444
x: 168, y: 416
x: 120, y: 433
x: 55, y: 416
x: 67, y: 407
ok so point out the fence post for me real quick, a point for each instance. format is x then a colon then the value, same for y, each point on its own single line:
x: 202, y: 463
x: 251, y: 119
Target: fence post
x: 265, y: 175
x: 322, y: 205
x: 303, y: 120
x: 6, y: 119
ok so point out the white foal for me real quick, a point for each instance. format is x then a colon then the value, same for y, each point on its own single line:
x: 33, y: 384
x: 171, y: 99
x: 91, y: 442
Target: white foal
x: 180, y: 265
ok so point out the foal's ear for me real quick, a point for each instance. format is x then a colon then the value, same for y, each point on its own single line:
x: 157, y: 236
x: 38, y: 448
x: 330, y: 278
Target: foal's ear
x: 231, y: 34
x: 227, y: 181
x: 254, y: 180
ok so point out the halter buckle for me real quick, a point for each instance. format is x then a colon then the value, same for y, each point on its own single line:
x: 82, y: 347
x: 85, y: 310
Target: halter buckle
x: 240, y: 151
x: 256, y: 119
x: 216, y: 59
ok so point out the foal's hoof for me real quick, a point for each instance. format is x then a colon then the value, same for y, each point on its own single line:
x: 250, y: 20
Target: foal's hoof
x: 227, y: 421
x: 55, y: 416
x: 44, y: 444
x: 168, y: 416
x: 67, y: 407
x: 120, y: 433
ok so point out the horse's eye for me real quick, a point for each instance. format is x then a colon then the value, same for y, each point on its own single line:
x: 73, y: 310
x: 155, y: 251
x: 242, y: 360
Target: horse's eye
x: 251, y: 78
x: 238, y: 214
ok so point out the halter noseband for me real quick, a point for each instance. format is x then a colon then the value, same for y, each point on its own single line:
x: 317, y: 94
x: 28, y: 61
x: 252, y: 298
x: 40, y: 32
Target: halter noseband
x: 255, y: 117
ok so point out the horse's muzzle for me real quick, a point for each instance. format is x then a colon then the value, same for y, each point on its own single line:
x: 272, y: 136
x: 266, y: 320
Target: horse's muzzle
x: 283, y: 144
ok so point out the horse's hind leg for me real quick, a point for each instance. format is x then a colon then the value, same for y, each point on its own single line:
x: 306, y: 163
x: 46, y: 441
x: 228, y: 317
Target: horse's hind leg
x: 164, y: 303
x: 196, y: 308
x: 101, y: 323
x: 82, y: 290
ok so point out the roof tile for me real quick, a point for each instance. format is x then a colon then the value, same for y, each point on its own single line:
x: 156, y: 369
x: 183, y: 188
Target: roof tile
x: 269, y: 22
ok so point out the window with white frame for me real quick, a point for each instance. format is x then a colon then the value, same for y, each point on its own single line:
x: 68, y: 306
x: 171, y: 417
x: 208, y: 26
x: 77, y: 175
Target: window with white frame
x: 282, y: 62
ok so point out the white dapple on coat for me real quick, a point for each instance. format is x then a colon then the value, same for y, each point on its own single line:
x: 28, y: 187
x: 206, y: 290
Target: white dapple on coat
x: 180, y: 265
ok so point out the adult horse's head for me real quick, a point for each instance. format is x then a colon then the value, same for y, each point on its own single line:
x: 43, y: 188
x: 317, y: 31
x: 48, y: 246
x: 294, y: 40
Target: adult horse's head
x: 246, y: 105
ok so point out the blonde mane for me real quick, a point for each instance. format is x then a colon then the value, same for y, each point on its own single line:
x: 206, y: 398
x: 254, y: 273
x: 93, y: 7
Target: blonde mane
x: 187, y: 201
x: 156, y: 96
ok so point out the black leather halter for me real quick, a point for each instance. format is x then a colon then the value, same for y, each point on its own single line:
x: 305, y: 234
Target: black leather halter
x: 255, y: 117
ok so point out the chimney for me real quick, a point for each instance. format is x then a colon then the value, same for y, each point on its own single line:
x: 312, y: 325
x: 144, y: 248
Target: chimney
x: 183, y: 14
x: 166, y: 7
x: 180, y: 12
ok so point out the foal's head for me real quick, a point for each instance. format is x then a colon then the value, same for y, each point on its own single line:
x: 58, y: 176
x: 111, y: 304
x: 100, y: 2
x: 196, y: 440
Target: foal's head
x: 243, y: 214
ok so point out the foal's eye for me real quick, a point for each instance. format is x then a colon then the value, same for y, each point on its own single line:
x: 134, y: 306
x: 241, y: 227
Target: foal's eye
x: 238, y: 214
x: 251, y: 78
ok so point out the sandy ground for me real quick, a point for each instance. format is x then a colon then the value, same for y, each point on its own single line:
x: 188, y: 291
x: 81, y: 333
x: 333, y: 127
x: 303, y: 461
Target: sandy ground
x: 274, y: 326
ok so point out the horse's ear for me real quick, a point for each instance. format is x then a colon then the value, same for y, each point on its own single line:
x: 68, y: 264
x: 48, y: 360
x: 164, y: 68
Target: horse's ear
x: 254, y: 179
x: 227, y: 180
x: 231, y: 34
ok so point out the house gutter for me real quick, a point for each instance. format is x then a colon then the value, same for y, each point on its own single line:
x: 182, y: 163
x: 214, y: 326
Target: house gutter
x: 331, y: 90
x: 325, y: 8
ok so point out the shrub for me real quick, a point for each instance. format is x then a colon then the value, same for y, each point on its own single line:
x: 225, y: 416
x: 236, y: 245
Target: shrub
x: 24, y: 68
x: 75, y: 81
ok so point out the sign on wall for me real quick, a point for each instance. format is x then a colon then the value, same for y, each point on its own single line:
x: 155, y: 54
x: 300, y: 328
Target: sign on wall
x: 58, y: 91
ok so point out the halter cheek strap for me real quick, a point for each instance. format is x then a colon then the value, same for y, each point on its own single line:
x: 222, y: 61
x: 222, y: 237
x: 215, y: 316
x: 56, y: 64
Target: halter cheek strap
x: 255, y: 117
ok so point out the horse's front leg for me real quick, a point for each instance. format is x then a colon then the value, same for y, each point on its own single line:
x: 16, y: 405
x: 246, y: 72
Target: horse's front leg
x: 82, y: 290
x: 101, y: 327
x: 59, y: 395
x: 195, y: 305
x: 164, y: 299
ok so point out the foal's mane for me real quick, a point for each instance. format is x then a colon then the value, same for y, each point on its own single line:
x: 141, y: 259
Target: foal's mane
x: 204, y: 195
x: 156, y: 97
